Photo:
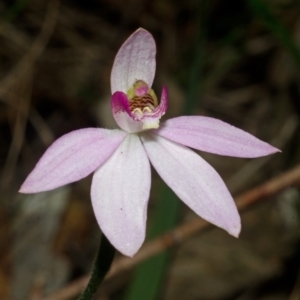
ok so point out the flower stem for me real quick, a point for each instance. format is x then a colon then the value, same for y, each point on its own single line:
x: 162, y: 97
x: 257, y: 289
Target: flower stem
x: 101, y: 266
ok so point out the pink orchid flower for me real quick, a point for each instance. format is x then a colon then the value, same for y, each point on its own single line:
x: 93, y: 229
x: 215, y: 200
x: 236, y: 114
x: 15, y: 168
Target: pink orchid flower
x: 120, y: 158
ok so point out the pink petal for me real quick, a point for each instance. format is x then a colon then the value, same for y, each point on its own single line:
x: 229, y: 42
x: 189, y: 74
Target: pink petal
x: 214, y: 136
x: 161, y: 109
x: 134, y: 61
x: 72, y: 157
x: 120, y: 193
x: 122, y: 114
x: 194, y: 181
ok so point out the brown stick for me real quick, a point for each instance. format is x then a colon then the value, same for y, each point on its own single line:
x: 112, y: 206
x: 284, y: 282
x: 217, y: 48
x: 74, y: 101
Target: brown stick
x: 184, y: 231
x: 35, y: 50
x: 22, y: 72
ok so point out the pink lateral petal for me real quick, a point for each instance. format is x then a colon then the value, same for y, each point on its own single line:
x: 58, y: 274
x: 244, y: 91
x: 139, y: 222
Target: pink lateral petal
x: 194, y: 181
x: 163, y: 105
x: 214, y: 136
x: 72, y: 157
x: 122, y: 114
x: 134, y: 61
x: 120, y: 193
x: 151, y: 119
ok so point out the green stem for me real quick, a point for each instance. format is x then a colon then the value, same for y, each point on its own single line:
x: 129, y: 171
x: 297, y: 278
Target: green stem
x: 101, y: 266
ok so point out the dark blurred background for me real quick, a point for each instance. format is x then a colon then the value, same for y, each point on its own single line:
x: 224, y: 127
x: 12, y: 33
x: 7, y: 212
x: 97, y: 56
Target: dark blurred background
x: 235, y: 60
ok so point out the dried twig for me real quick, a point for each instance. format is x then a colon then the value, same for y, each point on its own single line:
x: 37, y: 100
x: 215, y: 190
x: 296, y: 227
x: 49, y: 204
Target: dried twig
x: 36, y: 49
x: 21, y: 74
x: 22, y: 97
x: 252, y: 167
x: 184, y: 231
x: 45, y: 133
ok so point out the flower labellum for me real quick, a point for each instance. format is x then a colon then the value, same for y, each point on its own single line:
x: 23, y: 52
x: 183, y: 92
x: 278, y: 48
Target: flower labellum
x: 118, y: 156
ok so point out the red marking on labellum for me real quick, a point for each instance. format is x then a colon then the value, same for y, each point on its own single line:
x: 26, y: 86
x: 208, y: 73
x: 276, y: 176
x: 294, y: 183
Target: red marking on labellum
x: 142, y: 102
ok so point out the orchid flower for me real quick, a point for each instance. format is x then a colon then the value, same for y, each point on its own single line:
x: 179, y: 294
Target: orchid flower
x: 121, y: 158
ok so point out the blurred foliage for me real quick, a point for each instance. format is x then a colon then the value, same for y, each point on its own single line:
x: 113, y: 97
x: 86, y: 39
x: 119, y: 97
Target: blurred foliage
x: 263, y: 12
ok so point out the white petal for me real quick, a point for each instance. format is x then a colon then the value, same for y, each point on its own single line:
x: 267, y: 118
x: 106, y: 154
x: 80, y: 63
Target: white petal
x: 214, y: 136
x: 194, y: 181
x: 72, y: 157
x: 120, y: 194
x: 134, y: 61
